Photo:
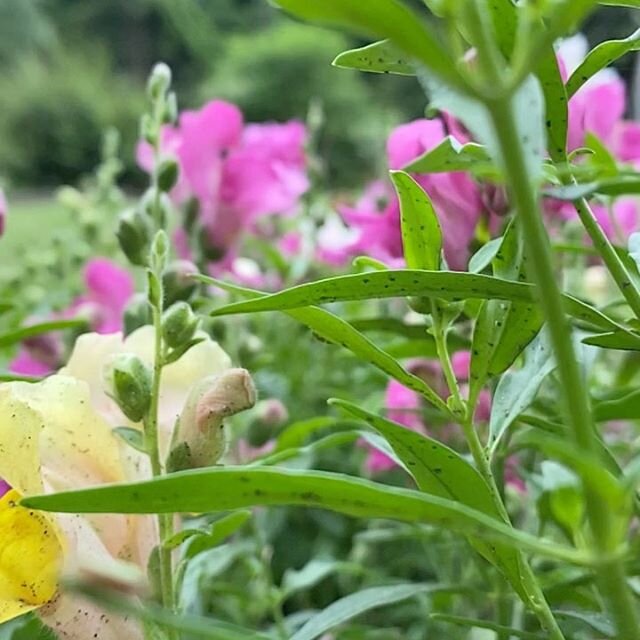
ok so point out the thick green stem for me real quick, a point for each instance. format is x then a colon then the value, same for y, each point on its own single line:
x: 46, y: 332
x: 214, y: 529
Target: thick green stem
x: 523, y: 195
x: 609, y: 256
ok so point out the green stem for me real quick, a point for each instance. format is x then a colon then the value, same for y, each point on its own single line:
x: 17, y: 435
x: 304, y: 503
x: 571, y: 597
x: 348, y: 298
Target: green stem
x: 609, y: 256
x: 165, y: 522
x: 523, y: 195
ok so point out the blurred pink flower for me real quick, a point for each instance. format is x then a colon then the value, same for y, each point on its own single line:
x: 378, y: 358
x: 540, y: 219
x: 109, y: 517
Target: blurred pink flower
x: 108, y: 289
x: 4, y: 487
x: 457, y: 199
x: 236, y: 172
x: 3, y: 212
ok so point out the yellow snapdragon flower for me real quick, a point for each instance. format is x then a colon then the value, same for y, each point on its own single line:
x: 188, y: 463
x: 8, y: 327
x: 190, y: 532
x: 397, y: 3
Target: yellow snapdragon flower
x: 56, y: 435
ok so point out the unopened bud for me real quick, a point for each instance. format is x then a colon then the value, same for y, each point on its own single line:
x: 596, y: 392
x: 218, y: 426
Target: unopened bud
x: 133, y: 235
x: 159, y: 80
x: 129, y: 383
x: 177, y: 281
x: 170, y: 114
x: 272, y: 412
x: 179, y: 324
x: 168, y: 172
x: 148, y: 129
x: 199, y: 438
x: 137, y: 313
x: 160, y: 251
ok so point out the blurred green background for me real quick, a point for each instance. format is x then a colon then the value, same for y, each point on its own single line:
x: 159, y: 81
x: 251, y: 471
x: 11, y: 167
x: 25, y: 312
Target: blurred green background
x: 70, y: 68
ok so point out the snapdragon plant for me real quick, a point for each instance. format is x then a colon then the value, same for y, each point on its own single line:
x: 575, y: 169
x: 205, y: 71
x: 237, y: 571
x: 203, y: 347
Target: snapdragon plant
x: 492, y: 65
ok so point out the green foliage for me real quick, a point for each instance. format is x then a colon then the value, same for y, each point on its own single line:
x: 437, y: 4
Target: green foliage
x: 54, y: 113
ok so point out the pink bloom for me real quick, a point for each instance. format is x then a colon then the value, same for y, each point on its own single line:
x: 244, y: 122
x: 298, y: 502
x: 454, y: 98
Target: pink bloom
x: 290, y: 244
x: 456, y: 198
x: 109, y: 288
x: 3, y: 212
x: 237, y: 173
x: 4, y: 487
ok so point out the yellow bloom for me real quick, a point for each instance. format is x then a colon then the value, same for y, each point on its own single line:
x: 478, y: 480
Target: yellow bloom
x: 57, y: 435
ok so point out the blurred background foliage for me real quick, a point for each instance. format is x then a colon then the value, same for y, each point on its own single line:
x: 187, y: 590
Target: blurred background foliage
x: 70, y: 68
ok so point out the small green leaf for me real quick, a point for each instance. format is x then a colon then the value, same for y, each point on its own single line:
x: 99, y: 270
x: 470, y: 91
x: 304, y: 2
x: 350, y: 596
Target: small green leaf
x: 133, y: 437
x: 421, y: 232
x: 449, y: 285
x: 595, y: 621
x: 600, y: 57
x: 224, y: 527
x: 484, y: 256
x: 314, y: 572
x: 378, y: 57
x: 450, y: 155
x: 357, y: 603
x: 517, y: 389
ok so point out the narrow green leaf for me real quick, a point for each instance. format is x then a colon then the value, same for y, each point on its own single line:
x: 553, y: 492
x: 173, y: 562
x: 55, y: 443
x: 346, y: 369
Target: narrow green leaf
x: 595, y: 621
x: 503, y: 328
x: 314, y: 572
x: 8, y: 376
x: 38, y: 329
x: 298, y: 433
x: 440, y: 471
x: 625, y: 407
x: 133, y: 437
x: 485, y: 624
x: 556, y: 105
x: 484, y: 256
x: 421, y: 232
x: 517, y: 389
x: 228, y: 525
x: 625, y: 184
x: 228, y: 488
x: 334, y: 330
x: 621, y: 340
x: 383, y: 19
x: 378, y: 57
x: 449, y: 285
x: 505, y: 24
x: 450, y: 155
x: 355, y: 604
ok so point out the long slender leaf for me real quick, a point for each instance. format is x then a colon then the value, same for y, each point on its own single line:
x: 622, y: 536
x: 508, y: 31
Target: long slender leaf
x: 378, y: 57
x: 439, y: 470
x: 485, y: 624
x: 622, y: 185
x: 354, y: 604
x: 227, y: 488
x: 449, y: 285
x: 38, y: 329
x: 600, y: 57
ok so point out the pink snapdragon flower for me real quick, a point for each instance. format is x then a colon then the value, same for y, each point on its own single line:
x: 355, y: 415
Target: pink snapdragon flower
x: 108, y: 288
x: 4, y: 487
x: 457, y: 199
x: 3, y: 212
x: 236, y: 172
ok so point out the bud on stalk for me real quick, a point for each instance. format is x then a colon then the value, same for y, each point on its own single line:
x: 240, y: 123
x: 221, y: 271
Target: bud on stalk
x: 199, y: 439
x: 129, y: 383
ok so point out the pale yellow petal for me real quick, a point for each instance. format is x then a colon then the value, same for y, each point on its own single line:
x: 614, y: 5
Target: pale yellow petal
x: 31, y: 558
